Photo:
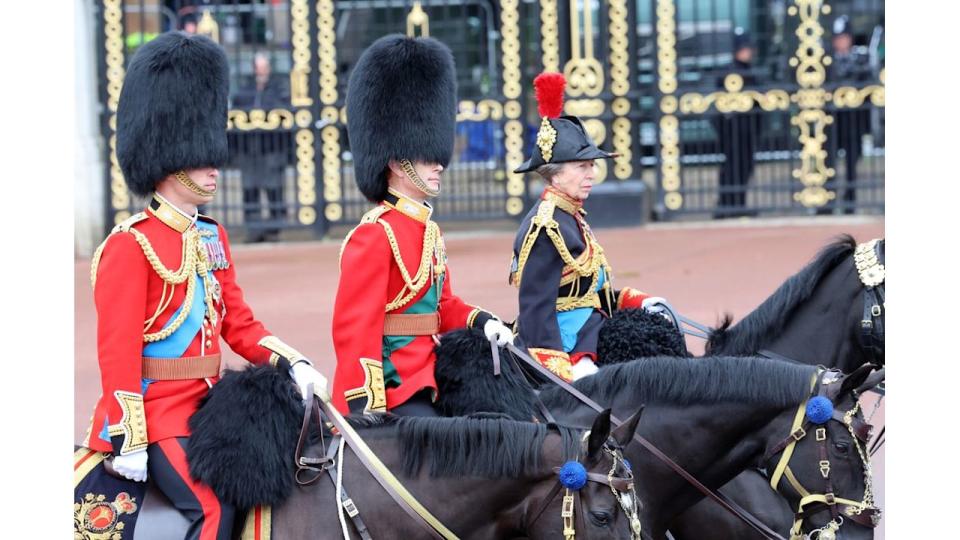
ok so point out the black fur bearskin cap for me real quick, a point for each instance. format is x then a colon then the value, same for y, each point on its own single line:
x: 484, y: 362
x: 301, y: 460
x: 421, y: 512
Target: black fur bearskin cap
x: 172, y: 113
x: 401, y: 104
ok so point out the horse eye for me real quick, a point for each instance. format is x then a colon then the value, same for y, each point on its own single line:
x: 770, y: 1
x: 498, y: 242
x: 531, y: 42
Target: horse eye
x: 600, y: 519
x: 842, y: 447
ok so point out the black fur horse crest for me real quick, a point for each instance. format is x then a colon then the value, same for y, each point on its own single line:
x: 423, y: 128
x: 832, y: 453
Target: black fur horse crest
x: 464, y: 369
x: 244, y: 436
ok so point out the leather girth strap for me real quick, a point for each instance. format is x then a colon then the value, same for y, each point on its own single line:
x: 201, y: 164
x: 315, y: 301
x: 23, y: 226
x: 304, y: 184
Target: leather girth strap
x: 718, y: 497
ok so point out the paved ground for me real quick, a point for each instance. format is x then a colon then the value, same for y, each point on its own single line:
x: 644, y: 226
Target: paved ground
x: 704, y: 269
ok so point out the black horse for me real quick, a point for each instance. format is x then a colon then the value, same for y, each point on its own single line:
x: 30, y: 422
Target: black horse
x: 816, y: 317
x: 481, y: 477
x: 717, y: 417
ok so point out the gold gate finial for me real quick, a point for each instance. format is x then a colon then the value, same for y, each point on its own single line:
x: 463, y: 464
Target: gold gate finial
x: 208, y: 27
x: 418, y: 17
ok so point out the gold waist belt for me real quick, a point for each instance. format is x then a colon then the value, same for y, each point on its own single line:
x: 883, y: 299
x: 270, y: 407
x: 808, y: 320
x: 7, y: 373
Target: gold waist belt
x: 411, y: 324
x: 187, y: 367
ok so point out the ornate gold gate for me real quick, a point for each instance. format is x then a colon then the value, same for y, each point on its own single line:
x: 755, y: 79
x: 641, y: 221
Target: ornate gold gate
x: 806, y: 180
x: 639, y: 74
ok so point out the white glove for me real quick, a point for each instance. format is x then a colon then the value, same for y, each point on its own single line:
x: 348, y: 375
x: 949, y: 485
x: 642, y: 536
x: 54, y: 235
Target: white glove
x: 496, y: 329
x: 650, y: 304
x: 656, y: 304
x: 132, y: 466
x: 583, y: 368
x: 304, y: 374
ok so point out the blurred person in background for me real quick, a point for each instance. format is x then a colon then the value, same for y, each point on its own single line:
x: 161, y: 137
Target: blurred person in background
x: 262, y: 156
x: 737, y: 134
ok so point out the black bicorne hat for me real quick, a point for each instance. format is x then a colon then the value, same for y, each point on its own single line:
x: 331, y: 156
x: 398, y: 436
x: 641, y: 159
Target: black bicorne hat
x: 172, y: 113
x: 401, y: 104
x: 561, y: 138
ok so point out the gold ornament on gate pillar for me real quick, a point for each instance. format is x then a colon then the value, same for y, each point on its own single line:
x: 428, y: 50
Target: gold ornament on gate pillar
x: 513, y: 127
x: 669, y: 125
x: 810, y: 62
x: 330, y: 134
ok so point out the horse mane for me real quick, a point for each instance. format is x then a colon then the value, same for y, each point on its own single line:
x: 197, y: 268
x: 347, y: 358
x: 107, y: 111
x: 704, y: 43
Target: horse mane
x: 693, y: 381
x: 771, y: 316
x: 489, y: 447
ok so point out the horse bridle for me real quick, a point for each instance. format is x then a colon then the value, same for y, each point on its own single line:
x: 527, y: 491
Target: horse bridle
x: 621, y: 486
x: 862, y: 512
x: 868, y: 258
x: 728, y: 504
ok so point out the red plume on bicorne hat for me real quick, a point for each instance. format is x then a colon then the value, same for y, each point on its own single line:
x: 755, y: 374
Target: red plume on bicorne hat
x: 549, y: 91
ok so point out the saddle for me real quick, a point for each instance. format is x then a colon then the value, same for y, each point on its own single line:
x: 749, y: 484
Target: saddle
x: 108, y: 506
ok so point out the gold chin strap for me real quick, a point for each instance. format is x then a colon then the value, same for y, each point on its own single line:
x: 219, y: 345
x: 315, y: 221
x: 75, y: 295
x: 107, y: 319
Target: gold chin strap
x: 415, y: 178
x: 187, y: 182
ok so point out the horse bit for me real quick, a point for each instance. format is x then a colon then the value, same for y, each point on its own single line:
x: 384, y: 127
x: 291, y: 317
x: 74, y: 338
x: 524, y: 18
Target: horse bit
x: 818, y: 411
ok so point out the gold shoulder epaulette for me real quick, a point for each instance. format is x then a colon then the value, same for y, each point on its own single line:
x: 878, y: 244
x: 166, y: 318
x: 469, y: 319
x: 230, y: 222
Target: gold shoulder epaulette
x: 371, y: 216
x: 123, y: 226
x: 543, y: 219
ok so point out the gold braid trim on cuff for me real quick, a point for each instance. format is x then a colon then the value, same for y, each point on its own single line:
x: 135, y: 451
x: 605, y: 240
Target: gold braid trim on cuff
x: 279, y: 350
x: 373, y: 387
x: 472, y: 317
x: 133, y: 423
x: 554, y: 360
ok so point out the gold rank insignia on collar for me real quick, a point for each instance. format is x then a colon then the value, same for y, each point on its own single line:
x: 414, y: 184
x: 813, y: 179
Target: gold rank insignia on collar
x: 419, y: 211
x: 170, y: 215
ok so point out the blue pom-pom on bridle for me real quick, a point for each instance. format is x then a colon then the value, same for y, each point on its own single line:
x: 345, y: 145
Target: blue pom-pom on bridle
x: 573, y: 475
x: 819, y: 410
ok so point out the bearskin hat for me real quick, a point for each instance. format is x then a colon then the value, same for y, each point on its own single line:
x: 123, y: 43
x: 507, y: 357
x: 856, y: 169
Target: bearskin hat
x: 401, y: 104
x: 172, y: 113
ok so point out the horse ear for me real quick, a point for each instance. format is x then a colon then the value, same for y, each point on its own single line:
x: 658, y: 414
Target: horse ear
x: 872, y: 380
x: 855, y: 379
x: 599, y: 433
x: 625, y: 432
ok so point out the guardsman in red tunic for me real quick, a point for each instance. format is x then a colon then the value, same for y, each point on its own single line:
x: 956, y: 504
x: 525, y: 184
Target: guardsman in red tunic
x: 395, y: 289
x: 165, y: 286
x: 563, y: 277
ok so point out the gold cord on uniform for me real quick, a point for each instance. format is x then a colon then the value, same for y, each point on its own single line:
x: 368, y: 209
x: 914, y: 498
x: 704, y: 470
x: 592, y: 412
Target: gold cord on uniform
x: 193, y: 263
x: 594, y: 258
x: 433, y: 249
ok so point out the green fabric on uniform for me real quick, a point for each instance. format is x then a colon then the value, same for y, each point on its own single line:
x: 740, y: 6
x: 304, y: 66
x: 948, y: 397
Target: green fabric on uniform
x: 427, y: 304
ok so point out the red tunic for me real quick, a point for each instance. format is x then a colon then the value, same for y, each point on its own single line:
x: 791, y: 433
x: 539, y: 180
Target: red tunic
x: 370, y: 278
x: 128, y: 292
